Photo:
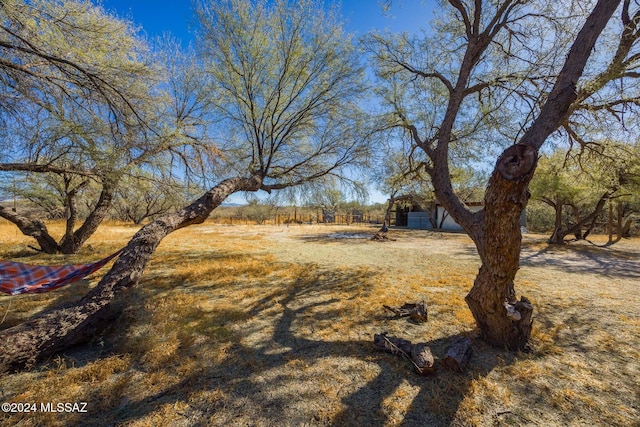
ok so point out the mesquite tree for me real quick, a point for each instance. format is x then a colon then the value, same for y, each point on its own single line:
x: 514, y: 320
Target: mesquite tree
x: 506, y: 72
x: 88, y: 111
x: 280, y: 81
x: 73, y: 83
x: 578, y: 195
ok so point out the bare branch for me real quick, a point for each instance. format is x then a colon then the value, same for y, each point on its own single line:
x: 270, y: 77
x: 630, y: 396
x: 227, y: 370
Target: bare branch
x: 44, y: 168
x: 564, y: 93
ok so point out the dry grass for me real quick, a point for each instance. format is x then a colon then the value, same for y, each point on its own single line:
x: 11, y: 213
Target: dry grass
x: 251, y: 325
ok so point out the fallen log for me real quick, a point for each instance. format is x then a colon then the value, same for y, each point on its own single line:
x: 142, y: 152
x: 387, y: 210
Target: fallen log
x: 458, y: 354
x: 423, y: 360
x: 416, y: 312
x: 418, y: 354
x: 382, y: 237
x: 392, y: 345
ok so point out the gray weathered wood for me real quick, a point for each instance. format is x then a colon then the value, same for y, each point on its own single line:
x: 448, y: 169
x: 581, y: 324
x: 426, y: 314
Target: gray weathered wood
x: 415, y: 311
x: 423, y: 360
x: 458, y: 354
x: 418, y: 354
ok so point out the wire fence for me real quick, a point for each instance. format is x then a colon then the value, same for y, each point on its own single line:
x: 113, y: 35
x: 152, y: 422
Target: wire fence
x: 279, y: 219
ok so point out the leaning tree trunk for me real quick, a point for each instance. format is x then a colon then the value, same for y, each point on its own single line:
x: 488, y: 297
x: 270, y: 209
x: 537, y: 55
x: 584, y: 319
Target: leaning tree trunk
x: 503, y: 321
x: 33, y: 228
x: 559, y: 233
x: 59, y: 329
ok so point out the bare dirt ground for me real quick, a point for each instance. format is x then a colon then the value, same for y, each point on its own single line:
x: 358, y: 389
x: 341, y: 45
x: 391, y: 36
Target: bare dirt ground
x: 273, y: 325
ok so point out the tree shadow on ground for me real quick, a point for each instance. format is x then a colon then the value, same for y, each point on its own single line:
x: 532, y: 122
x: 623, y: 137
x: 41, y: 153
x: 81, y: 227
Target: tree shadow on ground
x: 291, y: 375
x: 584, y: 259
x: 366, y: 234
x: 39, y: 303
x: 346, y: 237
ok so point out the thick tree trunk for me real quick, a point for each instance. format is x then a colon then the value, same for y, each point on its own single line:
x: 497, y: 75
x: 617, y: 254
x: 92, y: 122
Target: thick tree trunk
x: 619, y: 224
x: 558, y: 235
x: 72, y: 209
x: 610, y: 223
x: 619, y: 220
x: 590, y: 228
x: 62, y: 328
x: 577, y: 232
x: 33, y: 228
x: 503, y: 321
x: 73, y: 241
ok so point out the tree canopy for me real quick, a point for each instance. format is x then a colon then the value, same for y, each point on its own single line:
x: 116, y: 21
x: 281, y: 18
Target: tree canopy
x: 285, y: 82
x: 271, y: 98
x: 276, y: 99
x: 497, y: 77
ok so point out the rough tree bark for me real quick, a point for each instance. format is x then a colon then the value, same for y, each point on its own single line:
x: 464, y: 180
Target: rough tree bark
x: 59, y: 329
x: 458, y: 354
x: 503, y: 321
x: 498, y: 244
x: 72, y: 241
x: 33, y: 228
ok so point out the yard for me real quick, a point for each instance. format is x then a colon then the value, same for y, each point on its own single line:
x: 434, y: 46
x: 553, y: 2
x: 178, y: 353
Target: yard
x: 273, y: 325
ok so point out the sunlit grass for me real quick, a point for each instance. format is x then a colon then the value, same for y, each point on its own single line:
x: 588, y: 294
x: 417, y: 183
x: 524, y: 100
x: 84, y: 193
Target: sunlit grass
x: 252, y: 325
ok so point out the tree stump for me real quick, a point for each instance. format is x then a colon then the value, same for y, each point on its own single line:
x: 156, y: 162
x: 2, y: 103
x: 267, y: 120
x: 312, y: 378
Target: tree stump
x: 458, y: 354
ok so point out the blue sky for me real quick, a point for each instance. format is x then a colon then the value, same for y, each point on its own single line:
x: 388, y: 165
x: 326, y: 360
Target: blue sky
x: 158, y: 17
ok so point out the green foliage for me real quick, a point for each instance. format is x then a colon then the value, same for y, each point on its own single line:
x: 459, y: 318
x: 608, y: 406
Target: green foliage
x: 471, y: 85
x: 144, y: 196
x: 70, y: 47
x: 50, y: 192
x: 579, y: 181
x: 259, y: 212
x: 285, y: 82
x: 581, y: 178
x: 560, y: 178
x: 84, y: 108
x: 540, y: 217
